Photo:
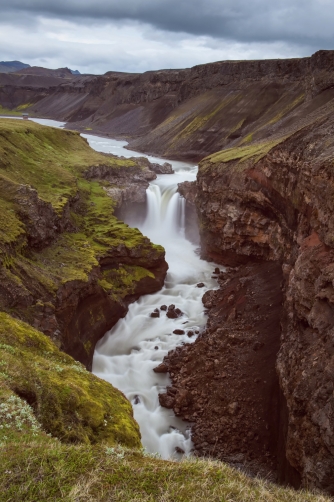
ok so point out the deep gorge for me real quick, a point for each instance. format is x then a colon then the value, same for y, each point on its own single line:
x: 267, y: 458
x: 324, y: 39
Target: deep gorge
x: 257, y: 384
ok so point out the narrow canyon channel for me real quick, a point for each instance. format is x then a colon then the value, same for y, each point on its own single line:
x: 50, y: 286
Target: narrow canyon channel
x: 127, y: 353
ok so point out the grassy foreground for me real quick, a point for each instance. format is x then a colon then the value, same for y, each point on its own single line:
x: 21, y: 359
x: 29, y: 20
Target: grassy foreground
x: 80, y: 473
x: 67, y: 401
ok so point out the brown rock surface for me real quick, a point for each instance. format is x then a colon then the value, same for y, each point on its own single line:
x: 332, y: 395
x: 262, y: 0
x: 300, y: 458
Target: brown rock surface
x: 269, y: 397
x: 226, y: 383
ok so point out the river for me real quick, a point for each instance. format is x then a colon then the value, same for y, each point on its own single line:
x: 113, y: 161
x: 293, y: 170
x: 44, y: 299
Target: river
x: 127, y: 353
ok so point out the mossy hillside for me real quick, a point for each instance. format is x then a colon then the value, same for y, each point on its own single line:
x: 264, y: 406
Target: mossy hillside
x: 48, y: 159
x: 54, y: 163
x: 68, y: 402
x: 207, y: 116
x: 213, y: 119
x: 8, y: 112
x: 54, y: 472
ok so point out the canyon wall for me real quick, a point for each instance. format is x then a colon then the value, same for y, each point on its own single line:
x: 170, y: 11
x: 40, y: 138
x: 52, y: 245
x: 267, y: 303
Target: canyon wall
x: 261, y: 390
x: 181, y: 113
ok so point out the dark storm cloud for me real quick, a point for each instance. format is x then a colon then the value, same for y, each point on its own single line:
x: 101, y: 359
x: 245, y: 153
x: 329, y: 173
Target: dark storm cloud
x: 297, y: 21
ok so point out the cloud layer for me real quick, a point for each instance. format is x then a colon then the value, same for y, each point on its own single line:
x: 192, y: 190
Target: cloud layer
x: 137, y: 35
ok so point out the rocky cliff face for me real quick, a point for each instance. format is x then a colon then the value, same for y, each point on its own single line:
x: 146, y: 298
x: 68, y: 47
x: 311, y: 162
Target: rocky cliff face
x: 261, y: 391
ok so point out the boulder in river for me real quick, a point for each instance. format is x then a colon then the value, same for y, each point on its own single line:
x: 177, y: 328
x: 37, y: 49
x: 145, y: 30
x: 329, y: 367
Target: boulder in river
x: 178, y: 332
x: 155, y: 313
x: 173, y: 313
x: 165, y: 168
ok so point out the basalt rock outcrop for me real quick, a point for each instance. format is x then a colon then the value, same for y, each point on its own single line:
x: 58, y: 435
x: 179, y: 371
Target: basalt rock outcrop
x: 258, y: 384
x: 226, y: 382
x: 68, y: 266
x: 128, y: 184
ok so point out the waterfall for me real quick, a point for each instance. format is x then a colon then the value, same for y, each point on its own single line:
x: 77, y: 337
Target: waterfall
x: 128, y: 353
x: 165, y: 214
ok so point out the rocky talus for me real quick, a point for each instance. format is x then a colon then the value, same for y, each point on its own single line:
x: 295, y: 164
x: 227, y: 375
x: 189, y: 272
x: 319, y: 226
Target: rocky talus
x: 258, y: 383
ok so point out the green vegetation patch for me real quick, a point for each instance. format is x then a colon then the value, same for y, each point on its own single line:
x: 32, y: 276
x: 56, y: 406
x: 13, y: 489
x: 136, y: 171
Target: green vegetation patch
x: 48, y: 159
x: 76, y: 473
x: 240, y: 155
x: 123, y: 279
x: 67, y: 401
x: 70, y: 258
x: 8, y: 112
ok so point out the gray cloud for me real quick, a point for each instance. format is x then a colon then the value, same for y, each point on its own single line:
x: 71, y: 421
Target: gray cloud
x: 96, y: 36
x: 293, y: 21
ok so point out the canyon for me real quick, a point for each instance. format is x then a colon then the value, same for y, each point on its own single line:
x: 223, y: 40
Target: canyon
x: 257, y: 384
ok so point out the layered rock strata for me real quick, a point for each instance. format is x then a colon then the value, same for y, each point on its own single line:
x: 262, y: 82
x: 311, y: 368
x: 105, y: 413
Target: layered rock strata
x: 184, y: 114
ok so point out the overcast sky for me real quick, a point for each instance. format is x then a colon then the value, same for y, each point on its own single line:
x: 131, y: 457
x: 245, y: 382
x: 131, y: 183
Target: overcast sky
x: 95, y: 36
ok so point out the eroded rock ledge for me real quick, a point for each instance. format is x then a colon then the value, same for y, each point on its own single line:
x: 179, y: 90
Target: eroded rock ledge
x: 258, y: 384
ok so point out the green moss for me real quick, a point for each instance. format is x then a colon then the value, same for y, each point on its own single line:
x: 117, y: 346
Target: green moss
x: 241, y: 154
x: 7, y: 111
x: 70, y: 258
x: 287, y: 108
x: 24, y: 106
x: 50, y: 160
x: 237, y: 127
x: 203, y: 119
x: 247, y: 139
x: 69, y: 402
x: 123, y: 280
x: 11, y: 228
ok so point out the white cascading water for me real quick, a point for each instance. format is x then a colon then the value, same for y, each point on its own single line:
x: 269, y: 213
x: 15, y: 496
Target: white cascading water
x: 128, y: 353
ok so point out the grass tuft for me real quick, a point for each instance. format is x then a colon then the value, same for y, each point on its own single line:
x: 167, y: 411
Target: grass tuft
x: 80, y: 474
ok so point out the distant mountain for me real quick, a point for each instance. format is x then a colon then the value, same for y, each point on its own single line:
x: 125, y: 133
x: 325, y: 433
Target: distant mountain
x: 17, y: 66
x: 47, y: 72
x: 10, y: 66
